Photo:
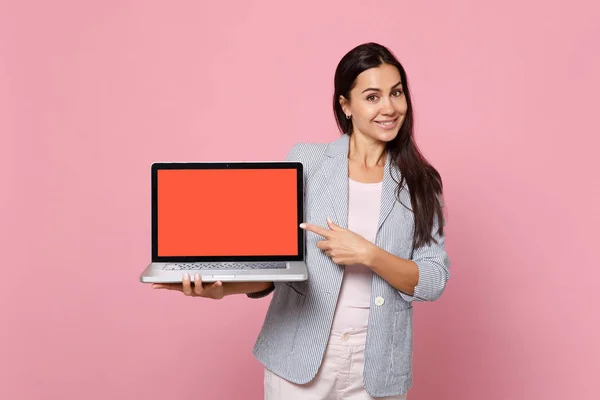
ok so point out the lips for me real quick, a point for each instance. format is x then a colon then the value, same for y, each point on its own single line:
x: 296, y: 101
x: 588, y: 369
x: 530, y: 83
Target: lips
x: 387, y: 124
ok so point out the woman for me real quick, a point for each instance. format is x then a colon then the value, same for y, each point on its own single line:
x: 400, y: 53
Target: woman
x: 374, y: 241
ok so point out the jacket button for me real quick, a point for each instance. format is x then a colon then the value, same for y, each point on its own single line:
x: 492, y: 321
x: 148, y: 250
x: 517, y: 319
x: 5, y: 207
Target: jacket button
x: 379, y: 301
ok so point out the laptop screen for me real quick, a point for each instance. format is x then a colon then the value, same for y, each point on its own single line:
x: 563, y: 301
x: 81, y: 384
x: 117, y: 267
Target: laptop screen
x: 227, y: 212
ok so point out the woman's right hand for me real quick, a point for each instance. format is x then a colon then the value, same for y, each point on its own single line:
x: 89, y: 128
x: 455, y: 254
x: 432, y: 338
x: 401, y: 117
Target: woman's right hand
x: 214, y: 290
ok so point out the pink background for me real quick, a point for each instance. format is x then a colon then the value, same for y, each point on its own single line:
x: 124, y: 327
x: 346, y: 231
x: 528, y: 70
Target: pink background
x: 506, y: 96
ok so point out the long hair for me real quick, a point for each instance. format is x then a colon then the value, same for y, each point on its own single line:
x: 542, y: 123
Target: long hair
x: 423, y: 180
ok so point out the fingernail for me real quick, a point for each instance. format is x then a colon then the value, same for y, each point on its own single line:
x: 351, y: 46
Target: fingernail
x: 186, y: 276
x: 329, y: 220
x: 197, y: 276
x: 303, y: 225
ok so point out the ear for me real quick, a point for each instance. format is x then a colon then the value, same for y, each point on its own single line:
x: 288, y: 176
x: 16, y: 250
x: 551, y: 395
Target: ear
x: 344, y: 103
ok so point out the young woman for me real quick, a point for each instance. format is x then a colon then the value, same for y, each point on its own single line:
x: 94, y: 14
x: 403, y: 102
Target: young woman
x: 374, y: 244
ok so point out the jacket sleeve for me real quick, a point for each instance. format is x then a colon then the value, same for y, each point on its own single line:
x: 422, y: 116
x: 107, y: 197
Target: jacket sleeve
x: 433, y: 264
x: 293, y: 155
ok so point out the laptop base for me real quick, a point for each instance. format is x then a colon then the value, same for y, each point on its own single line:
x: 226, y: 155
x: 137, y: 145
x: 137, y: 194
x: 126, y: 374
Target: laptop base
x: 295, y: 271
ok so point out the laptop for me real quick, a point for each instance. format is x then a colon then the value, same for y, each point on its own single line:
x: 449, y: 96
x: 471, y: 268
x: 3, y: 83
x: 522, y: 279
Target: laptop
x: 227, y: 221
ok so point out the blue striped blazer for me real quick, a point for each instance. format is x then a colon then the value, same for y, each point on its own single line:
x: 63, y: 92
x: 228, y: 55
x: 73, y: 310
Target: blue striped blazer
x: 296, y: 328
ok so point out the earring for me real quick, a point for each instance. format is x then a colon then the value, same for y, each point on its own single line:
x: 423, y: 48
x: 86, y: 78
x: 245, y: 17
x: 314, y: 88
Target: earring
x: 348, y: 116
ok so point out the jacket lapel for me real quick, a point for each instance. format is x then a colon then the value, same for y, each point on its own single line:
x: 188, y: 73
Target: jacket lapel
x: 388, y: 191
x: 336, y: 167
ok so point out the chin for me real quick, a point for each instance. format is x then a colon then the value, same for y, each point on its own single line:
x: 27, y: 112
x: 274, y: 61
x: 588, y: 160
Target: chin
x: 385, y: 136
x: 379, y: 134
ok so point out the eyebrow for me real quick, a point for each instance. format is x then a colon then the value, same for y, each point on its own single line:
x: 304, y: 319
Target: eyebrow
x: 379, y: 90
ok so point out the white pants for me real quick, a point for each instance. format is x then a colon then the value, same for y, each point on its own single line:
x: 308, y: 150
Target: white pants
x: 339, y: 377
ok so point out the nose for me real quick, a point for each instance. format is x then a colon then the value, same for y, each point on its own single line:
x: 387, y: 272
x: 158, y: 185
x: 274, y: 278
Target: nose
x: 386, y: 107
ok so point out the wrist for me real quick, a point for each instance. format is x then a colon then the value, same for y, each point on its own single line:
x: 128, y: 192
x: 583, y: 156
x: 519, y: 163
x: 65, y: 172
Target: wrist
x: 371, y: 254
x: 231, y: 288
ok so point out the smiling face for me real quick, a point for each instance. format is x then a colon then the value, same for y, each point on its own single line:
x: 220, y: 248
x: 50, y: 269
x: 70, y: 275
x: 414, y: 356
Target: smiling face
x: 376, y: 104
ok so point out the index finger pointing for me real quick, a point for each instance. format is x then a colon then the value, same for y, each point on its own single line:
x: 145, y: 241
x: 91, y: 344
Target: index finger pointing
x: 326, y: 233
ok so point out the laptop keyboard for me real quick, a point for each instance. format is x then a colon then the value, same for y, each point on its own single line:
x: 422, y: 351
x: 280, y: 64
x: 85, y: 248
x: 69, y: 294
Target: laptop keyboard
x: 223, y: 265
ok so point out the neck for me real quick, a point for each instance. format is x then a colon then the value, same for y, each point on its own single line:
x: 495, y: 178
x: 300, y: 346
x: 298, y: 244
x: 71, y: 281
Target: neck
x: 367, y: 152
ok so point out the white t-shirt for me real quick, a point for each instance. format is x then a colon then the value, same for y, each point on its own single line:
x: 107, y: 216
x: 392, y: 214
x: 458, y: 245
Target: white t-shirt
x: 352, y: 312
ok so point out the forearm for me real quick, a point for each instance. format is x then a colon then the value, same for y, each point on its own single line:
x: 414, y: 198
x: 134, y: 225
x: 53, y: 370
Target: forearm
x: 245, y: 287
x: 402, y: 274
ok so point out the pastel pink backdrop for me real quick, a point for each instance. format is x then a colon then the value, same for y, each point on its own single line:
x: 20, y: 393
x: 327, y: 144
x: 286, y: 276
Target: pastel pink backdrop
x: 91, y: 93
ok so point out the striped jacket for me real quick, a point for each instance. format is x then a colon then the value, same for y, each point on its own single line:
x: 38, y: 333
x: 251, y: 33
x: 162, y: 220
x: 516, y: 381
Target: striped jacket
x: 296, y: 328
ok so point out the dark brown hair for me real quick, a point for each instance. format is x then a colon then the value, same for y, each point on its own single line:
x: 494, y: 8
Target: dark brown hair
x: 423, y: 180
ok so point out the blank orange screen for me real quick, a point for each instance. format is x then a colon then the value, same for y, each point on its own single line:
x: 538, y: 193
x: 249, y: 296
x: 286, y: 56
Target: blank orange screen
x: 229, y: 212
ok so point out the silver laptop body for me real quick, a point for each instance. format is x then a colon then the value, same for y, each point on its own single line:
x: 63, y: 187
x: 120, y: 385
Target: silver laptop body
x: 191, y: 201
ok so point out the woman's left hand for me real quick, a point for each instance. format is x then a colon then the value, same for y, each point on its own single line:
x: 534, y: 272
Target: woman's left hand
x: 343, y: 246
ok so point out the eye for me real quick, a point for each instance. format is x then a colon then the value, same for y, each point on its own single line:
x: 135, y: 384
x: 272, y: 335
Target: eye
x: 371, y: 98
x: 397, y: 93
